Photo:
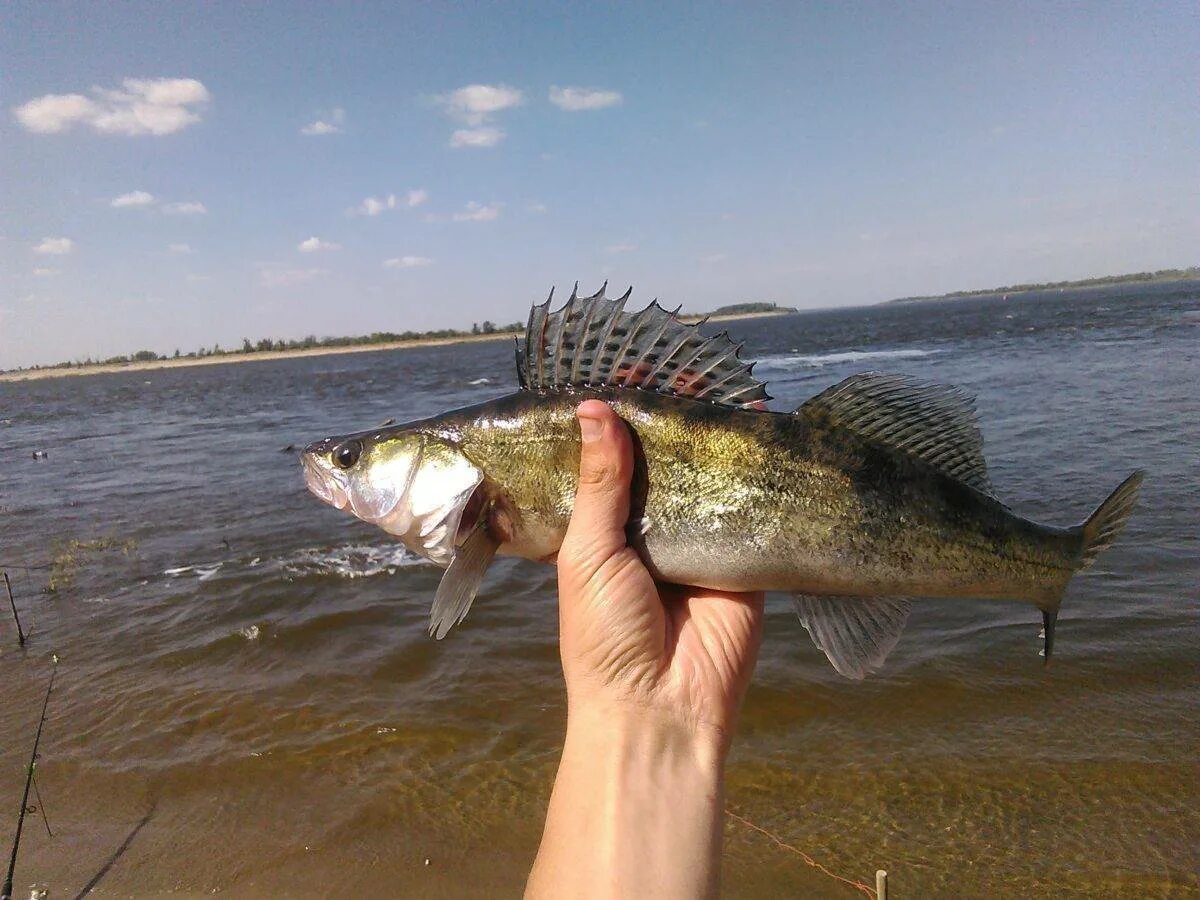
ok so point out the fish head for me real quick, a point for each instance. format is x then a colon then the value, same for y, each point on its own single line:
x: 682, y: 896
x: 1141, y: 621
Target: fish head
x: 412, y: 484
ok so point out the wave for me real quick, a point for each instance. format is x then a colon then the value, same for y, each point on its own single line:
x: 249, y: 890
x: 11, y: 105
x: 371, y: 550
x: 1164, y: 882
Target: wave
x: 820, y: 360
x: 349, y: 561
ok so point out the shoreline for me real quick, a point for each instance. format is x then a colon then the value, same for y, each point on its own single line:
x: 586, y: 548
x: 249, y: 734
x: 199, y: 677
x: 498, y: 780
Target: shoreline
x: 269, y: 355
x: 1021, y: 290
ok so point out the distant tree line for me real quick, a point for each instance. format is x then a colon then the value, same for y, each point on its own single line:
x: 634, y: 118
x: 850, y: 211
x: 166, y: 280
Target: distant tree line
x: 760, y: 307
x: 1157, y: 275
x: 266, y: 345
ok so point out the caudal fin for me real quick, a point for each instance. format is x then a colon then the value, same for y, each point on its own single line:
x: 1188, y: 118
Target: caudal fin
x: 1098, y: 533
x: 1103, y: 526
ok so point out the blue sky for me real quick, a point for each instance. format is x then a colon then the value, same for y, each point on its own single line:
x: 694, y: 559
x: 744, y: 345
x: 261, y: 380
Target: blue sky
x: 815, y: 155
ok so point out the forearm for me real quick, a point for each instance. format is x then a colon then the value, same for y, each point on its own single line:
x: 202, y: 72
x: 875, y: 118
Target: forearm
x: 636, y: 811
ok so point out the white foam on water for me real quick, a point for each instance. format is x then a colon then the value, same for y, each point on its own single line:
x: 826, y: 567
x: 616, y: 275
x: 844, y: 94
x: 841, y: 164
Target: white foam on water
x: 206, y: 572
x: 349, y: 561
x: 478, y: 381
x: 202, y: 571
x: 250, y: 632
x: 820, y: 360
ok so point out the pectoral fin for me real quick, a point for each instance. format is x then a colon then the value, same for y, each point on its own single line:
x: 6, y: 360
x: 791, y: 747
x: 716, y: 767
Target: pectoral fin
x: 856, y: 634
x: 461, y: 581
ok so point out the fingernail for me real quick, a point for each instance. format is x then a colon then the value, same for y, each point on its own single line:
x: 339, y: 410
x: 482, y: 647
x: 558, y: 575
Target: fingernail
x: 590, y: 429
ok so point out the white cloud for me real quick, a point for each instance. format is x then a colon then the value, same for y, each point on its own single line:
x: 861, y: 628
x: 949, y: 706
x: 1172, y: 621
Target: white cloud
x: 330, y: 124
x: 476, y: 137
x: 274, y: 277
x: 478, y: 212
x: 315, y: 244
x: 133, y: 198
x: 577, y: 99
x: 187, y: 208
x: 55, y: 246
x: 620, y: 248
x: 44, y: 273
x: 475, y: 106
x: 179, y: 248
x: 713, y: 258
x: 477, y: 103
x: 140, y: 106
x: 407, y: 262
x: 53, y: 113
x: 534, y: 207
x: 373, y: 206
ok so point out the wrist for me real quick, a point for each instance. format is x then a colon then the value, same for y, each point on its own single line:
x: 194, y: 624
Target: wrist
x: 644, y: 794
x: 632, y: 737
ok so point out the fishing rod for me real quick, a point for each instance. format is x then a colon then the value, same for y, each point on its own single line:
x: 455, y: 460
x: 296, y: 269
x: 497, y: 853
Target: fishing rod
x: 6, y: 891
x: 13, y: 604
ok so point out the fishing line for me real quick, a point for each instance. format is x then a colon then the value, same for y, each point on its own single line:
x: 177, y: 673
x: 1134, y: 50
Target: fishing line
x: 37, y: 792
x: 6, y: 891
x: 857, y: 885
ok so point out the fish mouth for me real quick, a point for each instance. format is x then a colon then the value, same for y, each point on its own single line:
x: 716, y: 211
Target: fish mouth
x: 324, y: 484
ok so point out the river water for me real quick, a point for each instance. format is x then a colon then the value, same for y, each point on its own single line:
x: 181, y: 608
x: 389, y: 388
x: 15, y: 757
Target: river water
x: 247, y: 700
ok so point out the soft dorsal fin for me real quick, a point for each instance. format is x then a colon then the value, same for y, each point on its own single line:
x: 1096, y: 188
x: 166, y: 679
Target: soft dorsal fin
x: 932, y: 422
x: 593, y: 341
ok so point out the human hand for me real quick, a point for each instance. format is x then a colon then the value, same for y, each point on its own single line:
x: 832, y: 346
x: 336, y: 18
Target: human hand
x: 682, y: 655
x: 655, y: 679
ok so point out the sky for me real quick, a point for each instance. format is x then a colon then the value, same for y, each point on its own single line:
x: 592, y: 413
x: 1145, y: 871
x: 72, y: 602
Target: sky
x: 180, y: 175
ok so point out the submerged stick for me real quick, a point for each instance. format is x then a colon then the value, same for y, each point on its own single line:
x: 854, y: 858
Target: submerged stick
x: 6, y: 891
x: 13, y: 604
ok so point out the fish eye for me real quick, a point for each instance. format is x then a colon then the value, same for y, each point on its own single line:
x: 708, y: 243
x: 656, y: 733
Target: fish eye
x: 346, y: 454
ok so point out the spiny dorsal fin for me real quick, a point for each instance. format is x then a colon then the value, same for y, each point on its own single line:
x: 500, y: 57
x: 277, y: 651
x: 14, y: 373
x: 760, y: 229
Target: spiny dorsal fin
x: 593, y: 341
x: 932, y: 422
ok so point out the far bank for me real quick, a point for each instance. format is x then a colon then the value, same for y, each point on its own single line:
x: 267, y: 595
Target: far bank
x: 268, y: 355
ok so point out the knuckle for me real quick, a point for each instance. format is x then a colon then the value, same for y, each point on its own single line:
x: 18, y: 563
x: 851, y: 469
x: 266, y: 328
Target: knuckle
x: 600, y: 471
x: 606, y: 466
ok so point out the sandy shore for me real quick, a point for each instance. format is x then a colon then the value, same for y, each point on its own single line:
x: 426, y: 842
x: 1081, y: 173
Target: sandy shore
x: 267, y: 355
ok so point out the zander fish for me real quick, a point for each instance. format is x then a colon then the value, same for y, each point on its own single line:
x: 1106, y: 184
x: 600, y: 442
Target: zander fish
x: 871, y: 494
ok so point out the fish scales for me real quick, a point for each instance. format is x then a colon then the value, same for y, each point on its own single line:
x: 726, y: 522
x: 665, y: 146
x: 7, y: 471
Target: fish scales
x: 762, y: 501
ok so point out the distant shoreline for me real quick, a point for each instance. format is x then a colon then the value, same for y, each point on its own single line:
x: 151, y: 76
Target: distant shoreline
x: 268, y: 355
x: 1165, y: 276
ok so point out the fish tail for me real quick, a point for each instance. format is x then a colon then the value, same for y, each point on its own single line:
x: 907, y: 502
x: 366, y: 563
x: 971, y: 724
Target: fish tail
x: 1095, y: 535
x: 1105, y: 524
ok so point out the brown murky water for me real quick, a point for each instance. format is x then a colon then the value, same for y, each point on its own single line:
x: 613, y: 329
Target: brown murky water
x: 248, y: 703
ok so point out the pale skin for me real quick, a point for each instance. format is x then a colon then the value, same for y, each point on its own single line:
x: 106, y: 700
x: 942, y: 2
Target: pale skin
x: 655, y: 679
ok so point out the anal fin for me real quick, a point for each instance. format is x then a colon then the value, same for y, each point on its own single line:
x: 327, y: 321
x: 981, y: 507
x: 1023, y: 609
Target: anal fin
x: 857, y: 634
x: 461, y: 582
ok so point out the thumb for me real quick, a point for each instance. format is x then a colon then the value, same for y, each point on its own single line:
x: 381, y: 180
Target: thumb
x: 597, y: 527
